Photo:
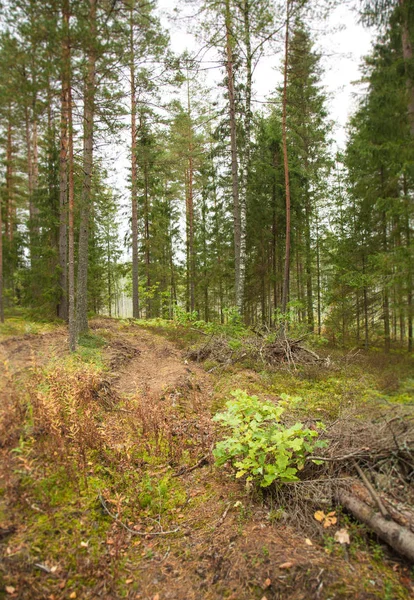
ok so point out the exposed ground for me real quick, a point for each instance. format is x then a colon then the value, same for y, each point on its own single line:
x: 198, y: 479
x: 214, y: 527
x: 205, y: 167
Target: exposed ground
x: 108, y: 489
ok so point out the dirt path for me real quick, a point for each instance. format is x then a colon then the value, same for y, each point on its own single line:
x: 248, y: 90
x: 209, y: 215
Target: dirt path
x: 157, y: 367
x: 18, y: 353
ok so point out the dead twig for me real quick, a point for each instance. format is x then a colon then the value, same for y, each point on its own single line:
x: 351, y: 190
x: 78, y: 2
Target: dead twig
x: 132, y: 531
x: 223, y: 516
x: 372, y: 491
x: 203, y: 460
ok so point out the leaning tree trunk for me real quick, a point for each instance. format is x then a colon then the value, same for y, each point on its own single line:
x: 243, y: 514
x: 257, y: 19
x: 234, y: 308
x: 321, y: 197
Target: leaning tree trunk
x: 89, y: 109
x: 234, y: 161
x: 285, y: 293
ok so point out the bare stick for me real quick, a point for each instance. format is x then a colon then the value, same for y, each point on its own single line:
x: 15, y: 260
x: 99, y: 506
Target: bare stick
x: 223, y: 516
x: 372, y: 492
x: 132, y: 531
x: 200, y: 463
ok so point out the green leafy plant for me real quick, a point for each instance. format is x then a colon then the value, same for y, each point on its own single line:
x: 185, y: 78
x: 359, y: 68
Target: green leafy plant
x: 260, y: 446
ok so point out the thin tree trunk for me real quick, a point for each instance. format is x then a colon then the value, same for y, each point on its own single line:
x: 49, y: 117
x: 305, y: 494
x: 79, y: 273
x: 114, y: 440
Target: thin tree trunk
x: 63, y: 176
x: 385, y: 293
x: 234, y: 160
x: 410, y: 270
x: 134, y: 174
x: 408, y: 58
x: 108, y: 263
x: 246, y: 9
x: 71, y: 183
x: 190, y: 207
x: 147, y: 240
x: 285, y: 294
x: 318, y: 280
x: 274, y: 232
x: 309, y: 290
x: 9, y: 184
x: 1, y: 264
x: 88, y: 130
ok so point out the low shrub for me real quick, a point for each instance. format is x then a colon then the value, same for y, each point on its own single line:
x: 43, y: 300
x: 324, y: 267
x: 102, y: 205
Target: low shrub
x: 259, y: 446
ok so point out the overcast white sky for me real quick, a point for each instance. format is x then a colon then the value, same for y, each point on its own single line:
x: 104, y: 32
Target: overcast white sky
x: 342, y: 42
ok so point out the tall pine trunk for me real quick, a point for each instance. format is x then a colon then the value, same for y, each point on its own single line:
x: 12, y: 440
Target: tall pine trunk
x: 407, y: 49
x: 1, y: 264
x: 190, y: 209
x: 67, y: 135
x: 63, y: 172
x: 234, y: 160
x: 88, y: 130
x: 285, y: 293
x: 9, y: 183
x: 134, y: 173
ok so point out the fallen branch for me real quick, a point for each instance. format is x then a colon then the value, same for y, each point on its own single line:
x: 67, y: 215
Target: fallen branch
x: 223, y: 516
x: 396, y: 536
x: 132, y: 531
x: 203, y: 460
x: 372, y: 492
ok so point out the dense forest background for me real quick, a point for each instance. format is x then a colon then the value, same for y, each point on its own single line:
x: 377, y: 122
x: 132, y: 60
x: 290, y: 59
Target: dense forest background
x: 236, y: 209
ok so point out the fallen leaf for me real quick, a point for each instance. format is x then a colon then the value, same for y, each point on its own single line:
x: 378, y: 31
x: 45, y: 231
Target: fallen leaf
x: 129, y: 581
x: 53, y: 569
x: 156, y: 597
x: 329, y: 521
x: 331, y: 514
x: 10, y: 589
x: 84, y: 544
x: 73, y: 595
x: 319, y: 516
x: 109, y: 542
x: 308, y: 542
x: 267, y: 583
x: 342, y: 536
x: 62, y: 584
x: 286, y: 565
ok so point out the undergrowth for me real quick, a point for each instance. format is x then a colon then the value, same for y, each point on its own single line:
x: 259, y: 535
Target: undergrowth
x: 71, y: 455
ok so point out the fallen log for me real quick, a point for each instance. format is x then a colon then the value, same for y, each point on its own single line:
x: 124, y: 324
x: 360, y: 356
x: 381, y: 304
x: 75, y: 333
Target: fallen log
x: 399, y: 538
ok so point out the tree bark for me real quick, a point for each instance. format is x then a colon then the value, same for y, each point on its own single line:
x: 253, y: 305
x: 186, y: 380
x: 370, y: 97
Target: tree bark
x: 71, y: 183
x: 410, y: 270
x: 9, y: 184
x: 308, y: 262
x: 246, y: 9
x: 234, y: 159
x: 285, y: 293
x: 134, y: 174
x: 399, y: 538
x: 88, y: 130
x: 63, y: 173
x: 190, y: 207
x: 1, y: 264
x: 147, y: 240
x: 318, y: 280
x: 408, y: 60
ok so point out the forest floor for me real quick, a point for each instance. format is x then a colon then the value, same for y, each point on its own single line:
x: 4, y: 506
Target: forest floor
x: 108, y: 488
